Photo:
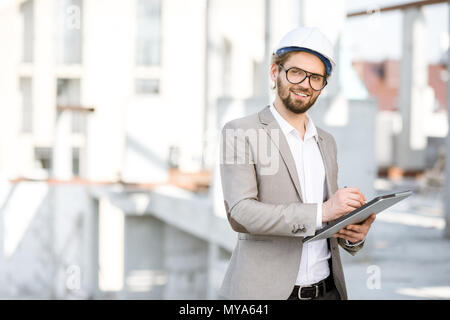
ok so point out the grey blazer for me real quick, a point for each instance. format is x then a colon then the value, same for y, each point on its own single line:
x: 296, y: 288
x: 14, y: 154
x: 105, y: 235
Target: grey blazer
x: 264, y: 206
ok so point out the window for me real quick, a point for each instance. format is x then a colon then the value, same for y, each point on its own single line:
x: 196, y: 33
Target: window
x: 43, y: 158
x: 379, y: 70
x: 147, y: 86
x: 69, y: 31
x: 27, y: 105
x: 27, y: 16
x: 148, y: 33
x: 226, y: 67
x: 76, y: 161
x: 174, y: 157
x: 259, y: 77
x: 68, y: 94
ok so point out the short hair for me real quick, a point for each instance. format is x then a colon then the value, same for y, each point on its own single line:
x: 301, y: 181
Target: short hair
x: 281, y: 59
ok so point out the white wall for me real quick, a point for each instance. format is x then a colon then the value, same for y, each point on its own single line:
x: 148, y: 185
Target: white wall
x: 12, y: 157
x: 108, y: 73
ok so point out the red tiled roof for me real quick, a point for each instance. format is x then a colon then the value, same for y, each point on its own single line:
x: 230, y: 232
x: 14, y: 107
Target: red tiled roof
x: 382, y: 81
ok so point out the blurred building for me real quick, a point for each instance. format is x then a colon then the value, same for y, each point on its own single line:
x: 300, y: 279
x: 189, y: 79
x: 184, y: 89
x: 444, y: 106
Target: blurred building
x: 127, y: 60
x: 110, y: 113
x: 109, y: 126
x: 382, y: 80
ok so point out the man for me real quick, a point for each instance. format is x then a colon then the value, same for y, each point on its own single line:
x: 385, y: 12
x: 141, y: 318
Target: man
x: 279, y: 180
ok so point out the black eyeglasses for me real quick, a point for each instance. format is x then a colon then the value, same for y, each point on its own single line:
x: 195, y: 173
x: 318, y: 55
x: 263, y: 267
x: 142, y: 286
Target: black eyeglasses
x: 296, y: 75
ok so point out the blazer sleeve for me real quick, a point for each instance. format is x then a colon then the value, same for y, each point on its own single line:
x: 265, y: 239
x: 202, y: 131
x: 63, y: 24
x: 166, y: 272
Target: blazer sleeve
x: 245, y: 213
x: 350, y: 249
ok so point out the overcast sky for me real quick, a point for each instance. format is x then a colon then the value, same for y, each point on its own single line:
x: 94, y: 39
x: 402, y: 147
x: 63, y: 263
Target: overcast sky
x: 376, y: 39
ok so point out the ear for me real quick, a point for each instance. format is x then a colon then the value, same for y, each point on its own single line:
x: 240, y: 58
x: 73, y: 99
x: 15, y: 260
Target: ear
x: 274, y: 72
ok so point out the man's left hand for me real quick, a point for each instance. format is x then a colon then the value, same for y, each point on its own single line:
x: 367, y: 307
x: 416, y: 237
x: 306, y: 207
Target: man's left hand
x: 356, y: 232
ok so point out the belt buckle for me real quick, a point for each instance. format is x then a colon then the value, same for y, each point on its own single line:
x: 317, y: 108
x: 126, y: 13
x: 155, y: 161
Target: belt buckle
x: 300, y: 292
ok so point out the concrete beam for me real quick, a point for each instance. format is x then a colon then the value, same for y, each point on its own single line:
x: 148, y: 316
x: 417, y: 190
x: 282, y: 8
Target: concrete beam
x: 396, y: 7
x: 190, y: 213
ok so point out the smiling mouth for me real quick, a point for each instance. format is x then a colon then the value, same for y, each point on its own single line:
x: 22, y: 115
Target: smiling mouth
x: 300, y: 94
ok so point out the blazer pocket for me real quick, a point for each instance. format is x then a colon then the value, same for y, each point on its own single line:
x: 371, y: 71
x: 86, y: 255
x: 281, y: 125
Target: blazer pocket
x: 251, y: 237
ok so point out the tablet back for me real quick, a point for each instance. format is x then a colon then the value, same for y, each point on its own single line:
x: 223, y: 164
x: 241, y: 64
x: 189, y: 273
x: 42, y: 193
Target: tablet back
x: 376, y: 206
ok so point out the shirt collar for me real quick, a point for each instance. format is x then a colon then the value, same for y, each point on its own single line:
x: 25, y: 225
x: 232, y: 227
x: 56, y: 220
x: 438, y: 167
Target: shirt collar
x: 287, y: 128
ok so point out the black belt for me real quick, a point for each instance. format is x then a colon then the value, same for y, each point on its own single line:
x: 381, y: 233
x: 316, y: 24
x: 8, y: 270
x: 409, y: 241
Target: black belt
x: 313, y: 291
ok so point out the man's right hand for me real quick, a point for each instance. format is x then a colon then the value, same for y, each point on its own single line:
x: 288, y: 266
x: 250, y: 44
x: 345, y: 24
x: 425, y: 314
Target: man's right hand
x: 342, y: 202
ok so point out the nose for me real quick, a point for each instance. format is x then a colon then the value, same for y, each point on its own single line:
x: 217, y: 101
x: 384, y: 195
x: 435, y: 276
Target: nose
x: 305, y: 84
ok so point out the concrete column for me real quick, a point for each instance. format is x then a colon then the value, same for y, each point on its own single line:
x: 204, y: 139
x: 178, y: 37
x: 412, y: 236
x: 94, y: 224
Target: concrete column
x: 144, y: 274
x: 90, y: 265
x: 4, y: 194
x: 213, y: 256
x: 267, y: 48
x: 414, y: 102
x: 186, y: 263
x: 300, y: 12
x: 207, y: 100
x: 447, y: 154
x: 62, y: 151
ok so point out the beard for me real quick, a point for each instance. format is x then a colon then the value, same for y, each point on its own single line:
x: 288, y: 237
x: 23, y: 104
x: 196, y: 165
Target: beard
x: 294, y: 105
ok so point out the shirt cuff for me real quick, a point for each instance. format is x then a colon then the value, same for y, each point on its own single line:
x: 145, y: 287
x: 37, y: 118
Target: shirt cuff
x: 319, y: 216
x: 349, y: 244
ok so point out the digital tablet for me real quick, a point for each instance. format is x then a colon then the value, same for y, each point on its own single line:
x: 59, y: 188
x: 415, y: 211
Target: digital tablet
x: 376, y: 205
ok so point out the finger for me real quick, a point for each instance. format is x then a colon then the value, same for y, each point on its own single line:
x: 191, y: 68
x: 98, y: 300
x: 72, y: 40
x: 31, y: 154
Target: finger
x: 353, y: 204
x: 354, y: 227
x: 356, y: 191
x: 350, y: 196
x: 345, y: 237
x: 337, y: 234
x: 357, y: 197
x: 369, y: 220
x: 351, y: 239
x: 351, y: 233
x: 362, y: 230
x: 355, y: 235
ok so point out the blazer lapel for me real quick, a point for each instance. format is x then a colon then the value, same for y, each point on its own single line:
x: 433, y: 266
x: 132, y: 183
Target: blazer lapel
x: 323, y: 149
x: 269, y: 123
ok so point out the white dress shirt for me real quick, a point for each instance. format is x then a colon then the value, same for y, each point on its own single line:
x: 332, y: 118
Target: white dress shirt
x: 311, y: 174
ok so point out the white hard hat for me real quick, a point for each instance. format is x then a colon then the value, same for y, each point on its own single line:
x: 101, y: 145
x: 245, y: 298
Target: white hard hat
x: 309, y: 39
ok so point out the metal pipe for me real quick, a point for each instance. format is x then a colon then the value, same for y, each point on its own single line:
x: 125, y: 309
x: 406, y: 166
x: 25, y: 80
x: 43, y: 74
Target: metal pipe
x: 396, y: 7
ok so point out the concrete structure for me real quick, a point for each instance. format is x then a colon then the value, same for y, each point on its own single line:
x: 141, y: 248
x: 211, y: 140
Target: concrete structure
x: 92, y: 230
x: 103, y: 242
x: 417, y: 120
x: 108, y: 74
x: 447, y: 166
x: 406, y: 240
x: 382, y: 82
x: 415, y: 99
